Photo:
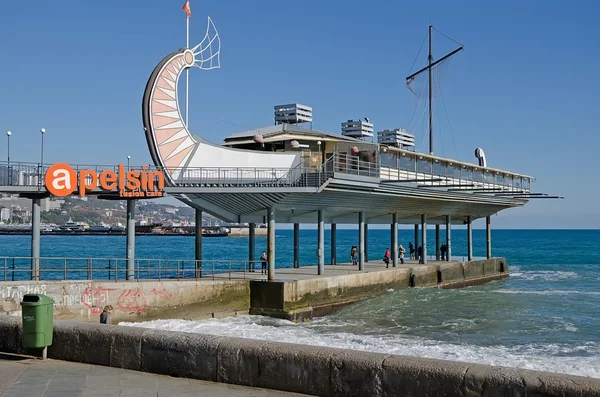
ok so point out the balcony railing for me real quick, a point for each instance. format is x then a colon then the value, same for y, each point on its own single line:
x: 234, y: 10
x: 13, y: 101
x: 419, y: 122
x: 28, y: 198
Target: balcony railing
x: 426, y: 170
x: 21, y: 174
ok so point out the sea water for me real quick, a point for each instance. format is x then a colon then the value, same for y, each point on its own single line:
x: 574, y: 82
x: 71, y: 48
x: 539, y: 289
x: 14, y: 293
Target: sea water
x: 545, y: 316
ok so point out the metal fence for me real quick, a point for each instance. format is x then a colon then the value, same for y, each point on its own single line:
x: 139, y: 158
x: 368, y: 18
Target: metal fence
x: 32, y: 175
x: 115, y: 269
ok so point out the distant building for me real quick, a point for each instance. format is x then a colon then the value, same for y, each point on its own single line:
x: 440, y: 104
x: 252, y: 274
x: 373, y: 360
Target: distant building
x: 5, y: 214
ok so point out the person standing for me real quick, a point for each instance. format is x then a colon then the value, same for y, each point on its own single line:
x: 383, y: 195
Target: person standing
x: 411, y: 249
x: 386, y: 257
x: 401, y: 252
x: 263, y: 262
x: 420, y: 254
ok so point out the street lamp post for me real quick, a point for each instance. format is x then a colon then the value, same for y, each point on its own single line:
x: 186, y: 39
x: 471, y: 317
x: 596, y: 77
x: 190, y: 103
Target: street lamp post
x: 8, y: 134
x: 128, y: 158
x: 43, y: 131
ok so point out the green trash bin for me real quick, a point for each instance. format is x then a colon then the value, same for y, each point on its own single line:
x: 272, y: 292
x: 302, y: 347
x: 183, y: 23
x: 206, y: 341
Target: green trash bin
x: 38, y: 320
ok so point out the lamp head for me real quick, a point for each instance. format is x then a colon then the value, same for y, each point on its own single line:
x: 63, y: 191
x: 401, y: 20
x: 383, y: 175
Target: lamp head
x: 43, y: 130
x: 8, y: 133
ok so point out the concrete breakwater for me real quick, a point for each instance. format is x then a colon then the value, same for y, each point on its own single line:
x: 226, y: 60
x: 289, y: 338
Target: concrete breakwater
x: 319, y: 371
x: 304, y: 298
x: 299, y: 295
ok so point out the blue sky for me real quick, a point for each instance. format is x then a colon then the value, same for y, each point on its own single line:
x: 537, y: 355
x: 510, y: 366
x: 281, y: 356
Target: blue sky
x: 525, y: 89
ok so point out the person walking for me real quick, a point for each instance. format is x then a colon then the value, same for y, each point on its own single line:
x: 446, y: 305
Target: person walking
x: 401, y: 252
x: 420, y: 254
x: 105, y: 315
x: 354, y: 255
x: 263, y: 262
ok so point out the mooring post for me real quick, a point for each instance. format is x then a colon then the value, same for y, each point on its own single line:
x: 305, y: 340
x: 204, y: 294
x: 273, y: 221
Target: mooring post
x: 271, y: 243
x: 361, y: 240
x: 488, y: 236
x: 333, y: 244
x: 296, y: 245
x: 448, y: 237
x: 198, y: 243
x: 394, y: 241
x: 424, y: 236
x: 35, y: 238
x: 130, y: 273
x: 437, y: 242
x: 251, y: 246
x: 321, y: 242
x: 469, y: 239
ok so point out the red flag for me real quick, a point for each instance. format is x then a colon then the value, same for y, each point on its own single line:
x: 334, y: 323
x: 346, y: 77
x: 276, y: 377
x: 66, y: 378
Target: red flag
x: 187, y: 9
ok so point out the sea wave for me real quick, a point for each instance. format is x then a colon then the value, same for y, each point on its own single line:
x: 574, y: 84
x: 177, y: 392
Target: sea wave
x: 546, y: 292
x: 582, y: 359
x: 545, y: 275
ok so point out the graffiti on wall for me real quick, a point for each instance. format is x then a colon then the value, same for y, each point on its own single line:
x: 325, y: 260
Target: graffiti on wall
x: 132, y: 300
x: 95, y: 298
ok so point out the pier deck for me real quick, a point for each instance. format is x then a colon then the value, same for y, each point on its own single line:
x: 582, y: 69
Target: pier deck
x: 310, y: 271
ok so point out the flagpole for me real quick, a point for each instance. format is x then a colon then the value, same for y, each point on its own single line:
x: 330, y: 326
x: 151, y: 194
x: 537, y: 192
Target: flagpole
x: 187, y: 75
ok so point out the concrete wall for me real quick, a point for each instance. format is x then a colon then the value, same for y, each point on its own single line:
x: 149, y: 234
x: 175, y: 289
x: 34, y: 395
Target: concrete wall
x: 84, y: 300
x: 245, y: 232
x: 319, y: 371
x: 300, y: 300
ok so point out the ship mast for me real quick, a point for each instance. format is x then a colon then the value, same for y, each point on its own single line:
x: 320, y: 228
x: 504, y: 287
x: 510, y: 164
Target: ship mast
x: 429, y: 68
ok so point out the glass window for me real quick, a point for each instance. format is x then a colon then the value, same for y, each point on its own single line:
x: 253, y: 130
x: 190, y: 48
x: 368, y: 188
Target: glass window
x: 439, y: 168
x: 424, y: 166
x: 389, y: 159
x: 407, y: 163
x: 453, y: 171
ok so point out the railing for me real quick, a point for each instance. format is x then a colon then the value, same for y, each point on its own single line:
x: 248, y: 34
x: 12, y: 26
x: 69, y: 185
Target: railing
x: 429, y: 171
x: 32, y: 175
x: 389, y: 164
x: 115, y: 269
x: 433, y: 171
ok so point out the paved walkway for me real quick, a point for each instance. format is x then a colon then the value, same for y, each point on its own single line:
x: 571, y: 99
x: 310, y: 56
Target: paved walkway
x: 26, y: 377
x: 310, y: 272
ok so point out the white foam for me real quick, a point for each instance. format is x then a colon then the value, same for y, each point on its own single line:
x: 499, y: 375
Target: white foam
x: 581, y: 360
x: 546, y: 275
x: 545, y: 292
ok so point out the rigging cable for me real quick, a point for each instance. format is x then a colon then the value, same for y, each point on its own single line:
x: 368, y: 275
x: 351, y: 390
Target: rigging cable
x: 449, y: 38
x: 423, y: 42
x: 449, y: 125
x: 437, y: 110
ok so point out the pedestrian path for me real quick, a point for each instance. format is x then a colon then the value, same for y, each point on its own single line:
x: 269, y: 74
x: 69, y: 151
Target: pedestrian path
x: 26, y: 377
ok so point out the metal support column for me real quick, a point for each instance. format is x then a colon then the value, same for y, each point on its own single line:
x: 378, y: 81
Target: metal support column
x: 35, y: 239
x: 448, y: 237
x: 333, y: 244
x: 437, y: 242
x: 416, y: 241
x: 488, y: 236
x: 394, y: 241
x: 296, y: 245
x: 366, y: 241
x: 361, y: 240
x: 130, y: 243
x: 251, y: 246
x: 321, y: 243
x: 469, y: 239
x: 198, y: 243
x: 424, y: 236
x: 271, y: 243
